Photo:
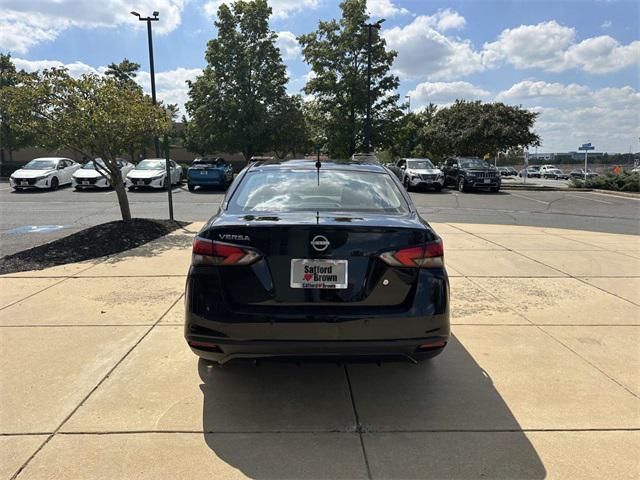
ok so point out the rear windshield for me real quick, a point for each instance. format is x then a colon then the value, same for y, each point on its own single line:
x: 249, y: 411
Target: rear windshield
x: 342, y: 191
x: 207, y: 161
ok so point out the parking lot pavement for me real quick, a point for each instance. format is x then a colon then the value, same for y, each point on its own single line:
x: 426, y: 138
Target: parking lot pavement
x: 541, y: 378
x: 28, y: 219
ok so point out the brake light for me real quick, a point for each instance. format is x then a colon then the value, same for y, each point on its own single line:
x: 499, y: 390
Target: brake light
x: 429, y: 255
x: 208, y: 252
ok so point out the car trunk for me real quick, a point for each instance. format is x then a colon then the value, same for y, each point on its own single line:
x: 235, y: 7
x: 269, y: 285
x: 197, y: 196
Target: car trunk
x: 358, y: 239
x: 210, y: 172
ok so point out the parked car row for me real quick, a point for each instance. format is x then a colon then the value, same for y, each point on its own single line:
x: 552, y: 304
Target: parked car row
x: 507, y: 171
x: 53, y: 172
x: 463, y: 173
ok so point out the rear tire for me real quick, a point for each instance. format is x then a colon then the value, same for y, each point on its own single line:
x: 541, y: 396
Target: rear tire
x: 461, y: 185
x: 191, y: 187
x: 54, y: 183
x: 437, y: 187
x: 407, y: 184
x: 131, y: 188
x: 494, y: 189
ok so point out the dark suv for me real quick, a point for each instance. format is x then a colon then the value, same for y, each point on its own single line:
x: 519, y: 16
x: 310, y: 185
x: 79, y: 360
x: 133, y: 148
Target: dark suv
x: 467, y: 173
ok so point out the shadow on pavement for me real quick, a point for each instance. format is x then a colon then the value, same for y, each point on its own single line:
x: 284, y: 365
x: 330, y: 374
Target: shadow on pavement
x: 202, y: 189
x: 438, y: 419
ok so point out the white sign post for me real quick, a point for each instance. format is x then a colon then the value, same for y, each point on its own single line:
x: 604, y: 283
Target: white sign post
x: 586, y: 147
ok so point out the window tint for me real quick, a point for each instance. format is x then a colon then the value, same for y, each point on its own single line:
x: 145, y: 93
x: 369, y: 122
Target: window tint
x: 349, y: 191
x: 473, y: 163
x: 151, y: 165
x: 40, y: 165
x: 420, y: 164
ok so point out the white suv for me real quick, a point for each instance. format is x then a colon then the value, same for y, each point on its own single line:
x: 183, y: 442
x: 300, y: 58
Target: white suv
x: 547, y: 168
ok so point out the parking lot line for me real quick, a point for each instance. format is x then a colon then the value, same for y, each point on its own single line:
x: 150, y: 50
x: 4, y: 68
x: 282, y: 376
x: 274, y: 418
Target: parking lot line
x: 529, y: 198
x: 591, y: 199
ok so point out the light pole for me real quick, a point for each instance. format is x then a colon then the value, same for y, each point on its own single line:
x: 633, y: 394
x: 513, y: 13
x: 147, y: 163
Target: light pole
x: 408, y: 97
x: 151, y: 68
x: 367, y: 128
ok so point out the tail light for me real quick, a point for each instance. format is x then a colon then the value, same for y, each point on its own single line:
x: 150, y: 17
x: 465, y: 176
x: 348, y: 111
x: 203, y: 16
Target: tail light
x: 208, y: 252
x: 429, y: 255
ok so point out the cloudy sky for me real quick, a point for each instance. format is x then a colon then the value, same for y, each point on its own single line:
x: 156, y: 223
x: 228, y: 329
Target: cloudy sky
x: 576, y: 62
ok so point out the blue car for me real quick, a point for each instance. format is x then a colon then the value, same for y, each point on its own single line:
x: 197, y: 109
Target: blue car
x: 209, y: 172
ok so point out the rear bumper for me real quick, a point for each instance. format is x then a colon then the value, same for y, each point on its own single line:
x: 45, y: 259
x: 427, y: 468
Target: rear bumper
x: 196, y: 180
x: 314, y: 330
x: 230, y: 350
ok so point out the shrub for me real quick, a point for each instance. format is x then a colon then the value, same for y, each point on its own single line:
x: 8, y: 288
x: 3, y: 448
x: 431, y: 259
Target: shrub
x: 624, y: 182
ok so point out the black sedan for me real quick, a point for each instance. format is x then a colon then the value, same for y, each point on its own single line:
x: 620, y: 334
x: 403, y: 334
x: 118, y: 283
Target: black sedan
x: 304, y: 259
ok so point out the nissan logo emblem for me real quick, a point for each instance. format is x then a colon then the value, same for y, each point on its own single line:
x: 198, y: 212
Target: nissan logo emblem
x: 320, y: 243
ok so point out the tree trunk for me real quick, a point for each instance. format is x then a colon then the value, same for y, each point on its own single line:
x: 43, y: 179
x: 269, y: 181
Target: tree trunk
x: 123, y: 201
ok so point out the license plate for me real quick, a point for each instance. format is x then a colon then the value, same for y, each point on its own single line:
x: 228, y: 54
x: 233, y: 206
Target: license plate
x: 319, y: 274
x: 24, y: 182
x: 204, y: 173
x: 487, y: 180
x: 140, y: 182
x: 85, y: 183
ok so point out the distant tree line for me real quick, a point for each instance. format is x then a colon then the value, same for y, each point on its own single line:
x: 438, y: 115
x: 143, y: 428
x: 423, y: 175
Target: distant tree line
x: 240, y: 104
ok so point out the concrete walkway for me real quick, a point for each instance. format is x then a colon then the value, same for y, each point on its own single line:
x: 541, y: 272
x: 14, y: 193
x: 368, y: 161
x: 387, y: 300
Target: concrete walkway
x: 541, y: 379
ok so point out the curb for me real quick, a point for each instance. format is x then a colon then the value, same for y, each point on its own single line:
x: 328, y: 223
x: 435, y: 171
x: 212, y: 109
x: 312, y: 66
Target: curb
x: 544, y: 188
x: 617, y: 194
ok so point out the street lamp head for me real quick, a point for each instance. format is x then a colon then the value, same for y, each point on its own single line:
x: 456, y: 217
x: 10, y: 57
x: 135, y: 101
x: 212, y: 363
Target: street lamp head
x: 155, y: 14
x: 136, y: 14
x: 380, y: 22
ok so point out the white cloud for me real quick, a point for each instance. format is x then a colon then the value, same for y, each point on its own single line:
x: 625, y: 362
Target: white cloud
x: 448, y: 20
x: 384, y: 9
x: 602, y: 55
x: 444, y: 93
x: 531, y: 46
x: 551, y: 47
x: 26, y: 23
x: 425, y: 52
x: 75, y: 68
x: 281, y: 8
x: 537, y: 90
x: 572, y: 114
x: 606, y: 24
x: 288, y: 45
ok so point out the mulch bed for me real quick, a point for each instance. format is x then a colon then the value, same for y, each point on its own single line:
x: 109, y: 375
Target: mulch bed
x: 93, y: 242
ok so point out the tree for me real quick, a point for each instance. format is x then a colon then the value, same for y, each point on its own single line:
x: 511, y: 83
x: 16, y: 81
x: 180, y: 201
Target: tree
x: 11, y: 139
x: 337, y: 52
x: 408, y: 141
x: 232, y: 102
x: 315, y: 124
x: 478, y: 129
x: 289, y: 131
x: 91, y: 115
x: 124, y: 72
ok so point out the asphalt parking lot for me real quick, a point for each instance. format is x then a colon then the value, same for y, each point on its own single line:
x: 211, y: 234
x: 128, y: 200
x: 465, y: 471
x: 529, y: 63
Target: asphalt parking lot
x: 31, y: 218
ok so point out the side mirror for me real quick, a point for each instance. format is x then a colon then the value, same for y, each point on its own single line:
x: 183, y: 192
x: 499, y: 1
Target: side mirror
x: 61, y: 167
x: 403, y: 167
